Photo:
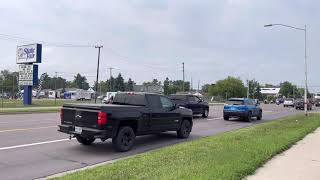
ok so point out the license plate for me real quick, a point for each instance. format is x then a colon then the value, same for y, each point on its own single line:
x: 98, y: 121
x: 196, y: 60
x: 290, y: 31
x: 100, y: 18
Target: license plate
x: 78, y: 130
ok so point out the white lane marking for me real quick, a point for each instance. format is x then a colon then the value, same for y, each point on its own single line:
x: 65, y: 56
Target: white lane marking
x: 33, y: 144
x: 26, y: 129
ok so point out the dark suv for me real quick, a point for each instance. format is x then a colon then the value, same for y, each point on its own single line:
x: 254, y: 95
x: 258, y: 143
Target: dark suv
x: 299, y: 104
x: 196, y: 104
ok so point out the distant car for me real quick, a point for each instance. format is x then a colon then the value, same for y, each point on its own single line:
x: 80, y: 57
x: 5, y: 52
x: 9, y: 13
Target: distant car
x: 107, y: 100
x: 243, y: 108
x: 196, y: 104
x: 299, y: 104
x: 288, y: 102
x: 279, y: 101
x: 317, y: 103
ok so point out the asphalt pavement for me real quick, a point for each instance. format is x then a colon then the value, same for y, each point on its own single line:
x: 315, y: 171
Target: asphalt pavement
x: 31, y: 147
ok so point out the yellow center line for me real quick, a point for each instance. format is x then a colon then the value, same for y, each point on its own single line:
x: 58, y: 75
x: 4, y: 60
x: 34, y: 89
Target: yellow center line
x: 26, y: 129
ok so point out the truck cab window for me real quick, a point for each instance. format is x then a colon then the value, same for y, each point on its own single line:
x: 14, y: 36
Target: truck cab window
x: 166, y: 103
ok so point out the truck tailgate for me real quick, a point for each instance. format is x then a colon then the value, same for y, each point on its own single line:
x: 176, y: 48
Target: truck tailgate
x: 80, y: 116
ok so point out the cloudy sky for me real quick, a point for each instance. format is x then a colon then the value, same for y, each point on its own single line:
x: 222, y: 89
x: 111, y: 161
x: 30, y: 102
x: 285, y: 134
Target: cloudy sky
x: 150, y: 39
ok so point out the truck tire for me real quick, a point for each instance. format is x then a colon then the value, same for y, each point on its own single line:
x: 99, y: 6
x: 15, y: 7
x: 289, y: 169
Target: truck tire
x: 205, y: 113
x: 185, y: 129
x: 85, y: 141
x: 124, y: 140
x: 225, y: 117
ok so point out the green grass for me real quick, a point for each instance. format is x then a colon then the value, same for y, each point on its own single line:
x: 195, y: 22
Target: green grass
x: 29, y: 110
x: 231, y: 155
x: 8, y: 103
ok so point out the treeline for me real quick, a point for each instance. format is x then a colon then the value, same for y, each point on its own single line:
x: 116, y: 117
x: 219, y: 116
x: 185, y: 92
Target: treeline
x: 234, y: 87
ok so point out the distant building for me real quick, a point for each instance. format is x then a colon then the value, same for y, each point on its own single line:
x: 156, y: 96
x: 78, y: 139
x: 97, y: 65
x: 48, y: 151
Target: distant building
x: 148, y: 88
x: 270, y: 91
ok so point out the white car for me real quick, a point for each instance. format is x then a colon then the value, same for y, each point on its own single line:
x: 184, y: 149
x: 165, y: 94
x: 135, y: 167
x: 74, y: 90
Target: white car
x: 288, y: 102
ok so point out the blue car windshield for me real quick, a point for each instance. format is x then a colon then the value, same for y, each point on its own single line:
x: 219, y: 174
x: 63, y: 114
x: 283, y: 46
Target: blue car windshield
x: 235, y: 102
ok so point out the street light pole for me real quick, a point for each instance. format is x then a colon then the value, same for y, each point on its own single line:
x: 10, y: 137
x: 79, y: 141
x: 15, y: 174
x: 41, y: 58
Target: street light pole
x: 305, y: 60
x: 305, y: 72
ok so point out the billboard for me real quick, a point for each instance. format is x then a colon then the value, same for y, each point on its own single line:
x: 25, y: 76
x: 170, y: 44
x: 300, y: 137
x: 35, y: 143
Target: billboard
x: 28, y: 75
x: 29, y: 54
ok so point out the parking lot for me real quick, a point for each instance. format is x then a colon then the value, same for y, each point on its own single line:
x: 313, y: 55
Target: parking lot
x: 31, y: 145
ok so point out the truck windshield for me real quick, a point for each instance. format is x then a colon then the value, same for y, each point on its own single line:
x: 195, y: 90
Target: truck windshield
x: 130, y: 99
x: 235, y: 102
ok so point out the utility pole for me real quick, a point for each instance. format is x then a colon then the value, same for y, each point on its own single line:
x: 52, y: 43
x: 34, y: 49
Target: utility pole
x: 183, y: 77
x: 191, y: 85
x: 97, y: 79
x: 3, y: 79
x: 198, y: 85
x: 55, y: 89
x: 248, y: 91
x: 110, y: 87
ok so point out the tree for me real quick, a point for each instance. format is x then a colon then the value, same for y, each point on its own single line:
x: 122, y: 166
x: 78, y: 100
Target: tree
x: 288, y: 90
x: 119, y: 83
x: 257, y: 94
x: 80, y: 82
x: 9, y: 82
x: 205, y: 88
x: 230, y: 87
x: 255, y: 90
x: 129, y: 86
x: 166, y: 86
x: 153, y: 82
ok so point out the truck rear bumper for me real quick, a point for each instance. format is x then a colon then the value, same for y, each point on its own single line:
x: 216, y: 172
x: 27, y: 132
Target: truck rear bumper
x: 85, y: 132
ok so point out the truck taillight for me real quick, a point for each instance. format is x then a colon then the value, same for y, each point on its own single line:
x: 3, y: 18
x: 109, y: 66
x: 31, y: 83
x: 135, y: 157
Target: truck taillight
x: 61, y: 114
x: 102, y: 118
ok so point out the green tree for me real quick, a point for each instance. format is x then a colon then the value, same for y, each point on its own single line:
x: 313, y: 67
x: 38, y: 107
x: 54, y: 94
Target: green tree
x: 230, y: 87
x: 80, y: 82
x: 9, y: 82
x: 129, y: 86
x: 255, y: 90
x: 205, y: 88
x: 166, y: 84
x: 119, y: 83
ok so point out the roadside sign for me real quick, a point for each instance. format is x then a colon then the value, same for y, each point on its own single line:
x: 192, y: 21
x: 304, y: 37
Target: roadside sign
x: 27, y: 54
x: 28, y: 75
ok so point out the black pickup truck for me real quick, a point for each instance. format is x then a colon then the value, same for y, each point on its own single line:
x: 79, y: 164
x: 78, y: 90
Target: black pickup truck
x: 130, y: 115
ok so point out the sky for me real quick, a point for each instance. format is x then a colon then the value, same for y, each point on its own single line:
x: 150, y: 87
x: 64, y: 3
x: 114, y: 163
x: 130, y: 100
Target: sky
x: 150, y: 39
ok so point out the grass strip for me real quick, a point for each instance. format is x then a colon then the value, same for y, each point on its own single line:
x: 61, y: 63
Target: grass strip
x: 29, y: 110
x: 230, y: 155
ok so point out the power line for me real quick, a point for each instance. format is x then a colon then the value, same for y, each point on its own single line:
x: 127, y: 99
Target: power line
x: 28, y: 40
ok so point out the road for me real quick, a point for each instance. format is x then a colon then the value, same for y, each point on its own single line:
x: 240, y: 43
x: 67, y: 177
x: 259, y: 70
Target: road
x: 31, y: 147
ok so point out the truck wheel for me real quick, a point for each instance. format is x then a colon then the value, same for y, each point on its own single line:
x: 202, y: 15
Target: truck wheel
x: 205, y: 113
x: 185, y: 129
x: 124, y: 140
x: 249, y: 115
x: 225, y: 117
x: 85, y: 141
